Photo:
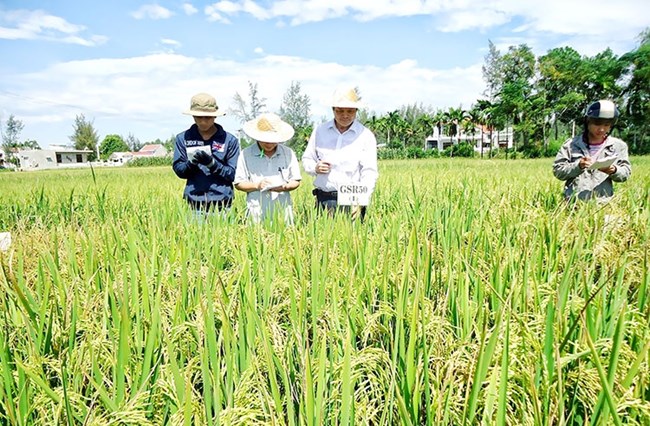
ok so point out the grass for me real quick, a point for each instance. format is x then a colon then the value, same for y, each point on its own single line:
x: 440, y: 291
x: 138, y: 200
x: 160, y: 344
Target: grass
x: 470, y: 295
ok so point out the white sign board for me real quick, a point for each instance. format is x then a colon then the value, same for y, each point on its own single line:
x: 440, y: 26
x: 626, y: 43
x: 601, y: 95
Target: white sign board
x: 353, y: 194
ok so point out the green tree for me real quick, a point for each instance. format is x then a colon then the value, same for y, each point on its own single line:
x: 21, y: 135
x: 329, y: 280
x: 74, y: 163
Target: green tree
x: 169, y: 144
x: 417, y: 126
x: 10, y: 134
x: 562, y: 76
x: 492, y: 72
x: 296, y: 107
x: 30, y: 144
x: 518, y: 67
x: 424, y: 125
x: 394, y: 126
x: 85, y: 136
x: 246, y: 111
x: 473, y: 121
x: 603, y: 72
x: 111, y: 144
x: 133, y: 143
x: 636, y: 95
x: 295, y: 110
x: 454, y: 117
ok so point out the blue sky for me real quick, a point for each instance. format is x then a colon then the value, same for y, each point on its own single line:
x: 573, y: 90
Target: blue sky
x: 132, y: 66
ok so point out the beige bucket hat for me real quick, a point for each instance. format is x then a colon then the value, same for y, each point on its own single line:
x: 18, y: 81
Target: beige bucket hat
x: 346, y: 97
x: 204, y: 105
x: 268, y: 127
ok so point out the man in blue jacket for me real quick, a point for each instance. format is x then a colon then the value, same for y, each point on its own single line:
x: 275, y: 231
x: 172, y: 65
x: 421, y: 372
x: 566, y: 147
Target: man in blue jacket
x: 206, y: 156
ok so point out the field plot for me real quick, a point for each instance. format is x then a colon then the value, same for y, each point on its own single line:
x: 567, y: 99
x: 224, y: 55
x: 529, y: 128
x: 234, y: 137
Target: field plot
x: 470, y: 295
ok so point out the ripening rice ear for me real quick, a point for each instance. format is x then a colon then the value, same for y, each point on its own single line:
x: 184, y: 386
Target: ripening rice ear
x: 5, y: 241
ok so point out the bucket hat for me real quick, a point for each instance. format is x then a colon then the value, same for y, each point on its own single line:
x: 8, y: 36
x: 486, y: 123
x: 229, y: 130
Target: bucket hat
x: 346, y: 97
x: 204, y: 105
x: 268, y: 127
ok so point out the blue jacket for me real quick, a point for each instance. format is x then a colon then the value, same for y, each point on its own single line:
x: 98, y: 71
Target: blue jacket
x: 207, y: 187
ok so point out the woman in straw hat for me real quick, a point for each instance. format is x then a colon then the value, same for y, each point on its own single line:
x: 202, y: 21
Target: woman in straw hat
x: 268, y: 170
x: 342, y: 153
x: 206, y: 156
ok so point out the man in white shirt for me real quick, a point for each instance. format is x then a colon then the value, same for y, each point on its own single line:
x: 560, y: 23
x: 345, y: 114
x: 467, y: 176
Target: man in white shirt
x: 342, y: 153
x: 268, y: 170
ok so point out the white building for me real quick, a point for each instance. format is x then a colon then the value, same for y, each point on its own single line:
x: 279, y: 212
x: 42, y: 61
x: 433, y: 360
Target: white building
x: 149, y: 150
x: 492, y: 139
x: 38, y: 159
x: 120, y: 157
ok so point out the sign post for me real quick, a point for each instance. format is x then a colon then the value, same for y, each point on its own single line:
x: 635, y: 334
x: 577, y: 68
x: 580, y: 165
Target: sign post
x: 353, y: 194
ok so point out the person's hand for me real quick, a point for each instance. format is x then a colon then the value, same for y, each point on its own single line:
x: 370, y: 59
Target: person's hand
x: 585, y: 162
x: 280, y: 188
x: 323, y: 167
x: 202, y: 157
x: 263, y: 184
x: 609, y: 170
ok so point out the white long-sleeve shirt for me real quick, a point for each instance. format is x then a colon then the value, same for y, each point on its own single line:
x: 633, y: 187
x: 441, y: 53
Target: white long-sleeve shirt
x: 351, y: 154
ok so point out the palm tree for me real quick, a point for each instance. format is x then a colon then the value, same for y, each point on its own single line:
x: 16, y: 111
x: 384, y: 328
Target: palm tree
x: 439, y: 120
x: 475, y: 118
x: 455, y: 116
x: 472, y: 121
x: 394, y: 125
x: 424, y: 125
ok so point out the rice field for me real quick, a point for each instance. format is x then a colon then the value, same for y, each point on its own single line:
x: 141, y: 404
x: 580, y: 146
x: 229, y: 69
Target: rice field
x: 471, y: 295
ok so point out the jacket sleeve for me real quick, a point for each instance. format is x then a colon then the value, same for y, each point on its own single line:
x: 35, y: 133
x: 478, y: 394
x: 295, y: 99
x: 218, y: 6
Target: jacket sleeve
x: 183, y: 168
x: 309, y: 157
x: 227, y: 169
x: 563, y: 167
x: 623, y: 165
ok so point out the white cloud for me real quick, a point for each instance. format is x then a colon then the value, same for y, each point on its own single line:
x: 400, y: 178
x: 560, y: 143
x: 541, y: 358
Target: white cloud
x: 152, y: 11
x: 589, y: 25
x: 620, y: 19
x: 170, y: 42
x: 475, y: 19
x: 135, y: 95
x: 228, y: 7
x: 213, y: 15
x: 189, y: 9
x: 40, y: 25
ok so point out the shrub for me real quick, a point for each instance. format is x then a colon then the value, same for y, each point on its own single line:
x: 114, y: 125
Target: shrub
x: 463, y: 149
x: 554, y: 146
x: 150, y: 161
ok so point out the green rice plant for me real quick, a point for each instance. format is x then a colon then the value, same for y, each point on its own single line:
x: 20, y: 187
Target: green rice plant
x: 471, y: 294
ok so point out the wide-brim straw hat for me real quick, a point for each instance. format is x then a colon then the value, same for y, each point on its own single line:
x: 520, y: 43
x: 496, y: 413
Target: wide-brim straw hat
x: 268, y: 127
x: 346, y: 97
x: 204, y: 105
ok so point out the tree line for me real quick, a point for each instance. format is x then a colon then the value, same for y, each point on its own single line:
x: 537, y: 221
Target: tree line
x: 542, y: 99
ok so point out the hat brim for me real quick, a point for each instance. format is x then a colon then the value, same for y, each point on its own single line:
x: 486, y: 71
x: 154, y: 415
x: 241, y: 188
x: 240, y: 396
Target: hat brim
x: 356, y: 105
x: 284, y: 133
x: 195, y: 113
